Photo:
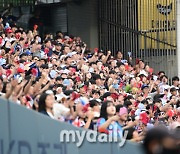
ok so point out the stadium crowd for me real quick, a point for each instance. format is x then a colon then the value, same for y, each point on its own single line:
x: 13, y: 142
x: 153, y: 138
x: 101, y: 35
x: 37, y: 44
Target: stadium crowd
x: 60, y: 77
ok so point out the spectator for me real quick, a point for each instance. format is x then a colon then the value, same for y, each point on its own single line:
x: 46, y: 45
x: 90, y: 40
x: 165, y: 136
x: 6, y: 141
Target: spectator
x: 175, y: 82
x: 108, y: 120
x: 132, y: 134
x: 46, y: 104
x: 160, y: 141
x: 63, y: 79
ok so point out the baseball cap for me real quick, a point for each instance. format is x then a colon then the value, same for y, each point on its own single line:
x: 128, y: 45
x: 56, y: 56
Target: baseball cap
x: 144, y: 86
x: 66, y: 82
x: 123, y: 110
x: 28, y: 52
x: 53, y: 74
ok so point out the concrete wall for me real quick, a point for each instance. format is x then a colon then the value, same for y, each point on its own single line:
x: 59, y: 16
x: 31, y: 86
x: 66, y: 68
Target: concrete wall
x: 83, y: 21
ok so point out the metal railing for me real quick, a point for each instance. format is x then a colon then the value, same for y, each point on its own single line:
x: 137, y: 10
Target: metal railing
x: 146, y: 28
x: 15, y: 3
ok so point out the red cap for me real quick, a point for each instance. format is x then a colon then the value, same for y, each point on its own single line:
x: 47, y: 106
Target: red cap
x: 144, y: 118
x: 114, y: 96
x: 8, y: 30
x: 78, y: 79
x: 20, y: 70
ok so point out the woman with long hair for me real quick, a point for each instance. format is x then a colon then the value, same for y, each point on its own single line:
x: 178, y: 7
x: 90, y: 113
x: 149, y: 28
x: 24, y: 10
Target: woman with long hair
x: 108, y: 122
x: 46, y: 102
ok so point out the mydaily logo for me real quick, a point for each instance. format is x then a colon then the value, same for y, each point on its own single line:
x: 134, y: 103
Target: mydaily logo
x: 77, y: 136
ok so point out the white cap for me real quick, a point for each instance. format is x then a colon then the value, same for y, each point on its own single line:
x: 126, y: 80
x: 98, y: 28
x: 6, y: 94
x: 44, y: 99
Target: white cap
x: 49, y: 92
